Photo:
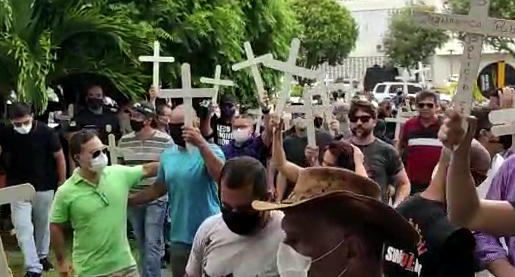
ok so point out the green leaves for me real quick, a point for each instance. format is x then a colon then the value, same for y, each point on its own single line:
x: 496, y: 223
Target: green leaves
x: 407, y: 44
x: 328, y: 31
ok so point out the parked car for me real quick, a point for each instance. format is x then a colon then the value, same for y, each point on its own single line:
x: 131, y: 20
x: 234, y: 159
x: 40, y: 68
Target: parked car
x: 389, y: 90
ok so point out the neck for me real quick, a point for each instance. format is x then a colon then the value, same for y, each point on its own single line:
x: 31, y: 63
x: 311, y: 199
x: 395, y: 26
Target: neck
x: 145, y: 133
x: 89, y: 175
x: 427, y: 120
x: 363, y: 141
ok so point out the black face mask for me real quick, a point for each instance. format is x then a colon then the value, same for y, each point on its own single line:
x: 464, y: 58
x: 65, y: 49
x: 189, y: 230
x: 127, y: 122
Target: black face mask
x: 176, y: 134
x: 241, y: 223
x: 318, y: 122
x: 95, y: 103
x: 136, y: 126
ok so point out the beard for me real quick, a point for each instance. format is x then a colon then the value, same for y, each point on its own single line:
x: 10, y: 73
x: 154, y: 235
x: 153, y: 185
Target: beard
x: 360, y: 132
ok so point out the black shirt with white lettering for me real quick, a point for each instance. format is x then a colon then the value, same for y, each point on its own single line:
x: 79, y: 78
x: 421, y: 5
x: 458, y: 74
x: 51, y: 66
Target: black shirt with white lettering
x: 30, y: 158
x: 104, y: 123
x: 443, y: 250
x: 222, y: 131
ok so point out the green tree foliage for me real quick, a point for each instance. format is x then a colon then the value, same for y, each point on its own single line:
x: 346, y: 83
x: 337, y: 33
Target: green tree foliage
x: 328, y: 32
x: 42, y: 42
x: 407, y: 44
x: 504, y: 9
x: 206, y: 33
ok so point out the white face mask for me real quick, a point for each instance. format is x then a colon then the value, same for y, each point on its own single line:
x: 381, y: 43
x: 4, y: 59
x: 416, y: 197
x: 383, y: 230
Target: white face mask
x: 24, y: 129
x: 99, y: 163
x: 241, y: 135
x: 291, y: 263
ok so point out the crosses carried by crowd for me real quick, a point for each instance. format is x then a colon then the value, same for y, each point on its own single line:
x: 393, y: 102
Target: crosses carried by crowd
x: 307, y: 110
x: 421, y: 71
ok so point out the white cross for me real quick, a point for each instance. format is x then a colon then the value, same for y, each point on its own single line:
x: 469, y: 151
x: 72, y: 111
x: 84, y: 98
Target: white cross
x: 187, y: 93
x: 156, y: 59
x: 476, y: 24
x: 307, y: 110
x: 290, y: 69
x: 216, y: 82
x: 402, y: 117
x: 404, y: 78
x: 253, y: 63
x: 323, y: 90
x: 504, y: 122
x: 421, y: 71
x: 9, y: 195
x: 327, y: 80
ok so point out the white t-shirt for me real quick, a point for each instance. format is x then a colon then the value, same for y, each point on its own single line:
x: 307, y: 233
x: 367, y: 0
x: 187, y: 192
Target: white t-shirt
x: 218, y: 252
x: 483, y: 189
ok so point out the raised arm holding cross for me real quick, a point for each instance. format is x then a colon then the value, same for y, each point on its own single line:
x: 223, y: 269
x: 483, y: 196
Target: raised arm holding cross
x: 156, y: 59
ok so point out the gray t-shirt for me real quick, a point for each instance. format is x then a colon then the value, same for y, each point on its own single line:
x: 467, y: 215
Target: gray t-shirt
x: 294, y: 146
x: 382, y: 163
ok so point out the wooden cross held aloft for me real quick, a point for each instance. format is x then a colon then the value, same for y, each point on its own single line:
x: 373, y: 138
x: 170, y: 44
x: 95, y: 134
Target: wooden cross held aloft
x: 253, y: 63
x: 401, y: 118
x: 404, y: 78
x: 476, y: 25
x: 187, y: 93
x: 9, y: 195
x: 216, y: 82
x: 290, y: 69
x: 156, y: 59
x: 116, y: 152
x: 68, y: 116
x: 421, y: 71
x: 504, y: 122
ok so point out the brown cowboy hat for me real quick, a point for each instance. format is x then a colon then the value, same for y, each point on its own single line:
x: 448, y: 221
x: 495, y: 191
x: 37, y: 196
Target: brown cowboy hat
x: 360, y: 199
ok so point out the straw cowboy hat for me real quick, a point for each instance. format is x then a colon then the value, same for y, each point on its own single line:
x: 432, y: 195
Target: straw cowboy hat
x: 359, y: 198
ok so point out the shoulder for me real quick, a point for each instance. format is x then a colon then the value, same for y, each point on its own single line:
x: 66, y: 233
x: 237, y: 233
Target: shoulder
x: 323, y: 134
x: 209, y: 225
x: 408, y: 204
x: 508, y: 165
x: 42, y: 128
x: 162, y: 135
x: 129, y: 136
x: 384, y: 146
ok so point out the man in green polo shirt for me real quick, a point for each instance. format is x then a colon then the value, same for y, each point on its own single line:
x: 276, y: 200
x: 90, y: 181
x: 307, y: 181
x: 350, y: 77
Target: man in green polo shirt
x: 94, y: 202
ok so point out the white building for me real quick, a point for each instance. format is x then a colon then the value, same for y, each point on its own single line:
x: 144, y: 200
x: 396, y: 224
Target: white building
x: 372, y: 17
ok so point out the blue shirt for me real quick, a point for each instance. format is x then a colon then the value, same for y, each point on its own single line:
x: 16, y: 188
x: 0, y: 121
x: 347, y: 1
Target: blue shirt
x: 193, y: 194
x: 253, y: 147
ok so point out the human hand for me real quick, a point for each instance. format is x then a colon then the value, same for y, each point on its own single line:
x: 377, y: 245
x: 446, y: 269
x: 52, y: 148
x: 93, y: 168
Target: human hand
x: 358, y: 156
x: 334, y: 125
x: 453, y: 136
x: 311, y: 154
x: 506, y: 98
x: 192, y: 136
x: 152, y: 92
x: 65, y: 269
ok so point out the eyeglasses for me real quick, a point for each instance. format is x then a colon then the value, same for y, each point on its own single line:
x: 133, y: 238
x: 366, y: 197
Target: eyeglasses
x: 97, y: 153
x: 363, y: 118
x: 428, y: 105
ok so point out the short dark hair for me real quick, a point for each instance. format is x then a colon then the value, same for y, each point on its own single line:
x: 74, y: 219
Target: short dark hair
x: 425, y: 94
x: 160, y: 109
x: 19, y: 110
x: 483, y: 122
x: 344, y: 154
x: 364, y: 106
x: 244, y: 171
x: 78, y: 139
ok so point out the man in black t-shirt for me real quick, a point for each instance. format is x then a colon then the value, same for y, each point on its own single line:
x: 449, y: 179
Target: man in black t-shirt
x: 32, y: 154
x: 222, y: 126
x: 443, y: 250
x: 96, y: 116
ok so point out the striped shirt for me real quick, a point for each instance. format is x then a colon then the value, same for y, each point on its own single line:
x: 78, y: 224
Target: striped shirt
x: 423, y: 150
x: 151, y: 148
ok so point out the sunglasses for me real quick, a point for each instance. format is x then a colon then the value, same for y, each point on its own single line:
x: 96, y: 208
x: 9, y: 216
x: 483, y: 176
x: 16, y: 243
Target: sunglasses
x: 97, y: 153
x: 363, y: 118
x: 20, y: 124
x: 428, y: 105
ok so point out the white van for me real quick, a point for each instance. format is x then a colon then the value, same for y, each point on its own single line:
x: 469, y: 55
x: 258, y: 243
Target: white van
x: 389, y: 90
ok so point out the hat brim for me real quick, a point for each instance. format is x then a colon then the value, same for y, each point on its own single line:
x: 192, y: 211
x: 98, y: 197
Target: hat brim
x: 395, y: 228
